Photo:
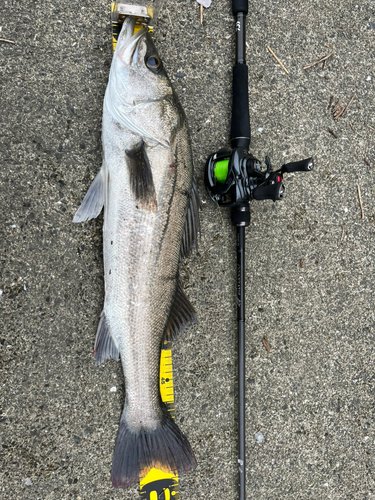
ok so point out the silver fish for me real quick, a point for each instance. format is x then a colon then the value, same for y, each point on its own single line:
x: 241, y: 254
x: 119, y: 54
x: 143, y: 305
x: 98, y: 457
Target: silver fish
x: 151, y: 204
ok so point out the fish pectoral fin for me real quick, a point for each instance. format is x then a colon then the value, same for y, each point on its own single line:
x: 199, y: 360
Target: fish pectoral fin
x: 140, y: 175
x: 105, y: 347
x: 192, y: 225
x: 182, y: 315
x: 93, y: 202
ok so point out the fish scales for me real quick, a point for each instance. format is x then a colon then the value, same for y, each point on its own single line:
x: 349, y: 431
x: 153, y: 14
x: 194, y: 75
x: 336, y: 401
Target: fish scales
x: 150, y: 201
x: 141, y: 278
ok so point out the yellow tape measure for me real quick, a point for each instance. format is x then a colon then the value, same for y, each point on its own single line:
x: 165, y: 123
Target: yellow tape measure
x: 157, y: 484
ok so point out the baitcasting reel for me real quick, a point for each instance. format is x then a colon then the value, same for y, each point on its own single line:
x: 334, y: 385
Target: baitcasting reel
x: 235, y: 177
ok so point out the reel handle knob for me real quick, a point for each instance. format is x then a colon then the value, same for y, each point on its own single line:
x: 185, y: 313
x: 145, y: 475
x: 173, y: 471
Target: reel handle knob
x: 298, y: 166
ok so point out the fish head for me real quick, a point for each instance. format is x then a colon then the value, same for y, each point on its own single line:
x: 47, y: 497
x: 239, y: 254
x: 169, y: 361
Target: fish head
x: 137, y: 55
x: 139, y: 94
x: 137, y: 73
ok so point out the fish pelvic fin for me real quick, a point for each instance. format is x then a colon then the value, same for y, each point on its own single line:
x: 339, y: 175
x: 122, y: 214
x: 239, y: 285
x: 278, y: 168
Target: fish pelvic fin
x: 192, y: 225
x: 105, y: 347
x: 182, y: 315
x: 93, y: 201
x: 164, y: 447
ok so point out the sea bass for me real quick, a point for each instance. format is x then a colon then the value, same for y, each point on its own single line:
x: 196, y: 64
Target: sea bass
x: 151, y: 205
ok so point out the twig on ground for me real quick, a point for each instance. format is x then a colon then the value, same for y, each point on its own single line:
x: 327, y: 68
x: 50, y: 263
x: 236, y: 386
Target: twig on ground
x: 277, y: 59
x: 201, y: 13
x: 266, y: 344
x: 350, y: 102
x: 322, y: 59
x: 360, y: 201
x: 330, y: 102
x: 169, y: 17
x: 332, y: 132
x: 351, y: 126
x: 6, y: 41
x: 342, y: 234
x: 367, y: 162
x: 338, y: 110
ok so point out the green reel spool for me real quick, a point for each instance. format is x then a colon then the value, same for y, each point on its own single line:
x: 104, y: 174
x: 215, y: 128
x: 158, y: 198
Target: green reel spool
x: 221, y: 170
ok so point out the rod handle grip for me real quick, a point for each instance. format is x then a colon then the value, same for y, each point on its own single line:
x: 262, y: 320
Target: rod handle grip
x: 240, y: 128
x: 240, y: 6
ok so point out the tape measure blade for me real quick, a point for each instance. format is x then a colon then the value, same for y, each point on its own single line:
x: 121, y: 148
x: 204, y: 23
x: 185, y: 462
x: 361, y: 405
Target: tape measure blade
x: 158, y: 484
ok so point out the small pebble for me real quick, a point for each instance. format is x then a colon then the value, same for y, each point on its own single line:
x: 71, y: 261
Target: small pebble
x: 28, y: 481
x: 368, y: 78
x: 205, y: 3
x: 260, y: 129
x: 113, y: 389
x: 259, y: 437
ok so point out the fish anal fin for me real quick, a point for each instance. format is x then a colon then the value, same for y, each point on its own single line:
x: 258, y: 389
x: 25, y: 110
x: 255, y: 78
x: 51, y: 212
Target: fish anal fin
x: 192, y: 225
x: 105, y: 347
x: 140, y: 174
x: 182, y: 315
x: 93, y: 201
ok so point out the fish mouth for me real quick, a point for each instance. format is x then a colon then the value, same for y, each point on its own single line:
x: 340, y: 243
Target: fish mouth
x: 128, y: 41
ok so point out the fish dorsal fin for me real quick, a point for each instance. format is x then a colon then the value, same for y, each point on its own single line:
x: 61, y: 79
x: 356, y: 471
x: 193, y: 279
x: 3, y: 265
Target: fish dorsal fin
x: 182, y: 315
x: 93, y: 201
x: 140, y: 174
x: 192, y: 225
x: 105, y: 347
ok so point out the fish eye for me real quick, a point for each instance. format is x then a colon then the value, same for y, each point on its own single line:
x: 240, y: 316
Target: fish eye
x: 154, y: 63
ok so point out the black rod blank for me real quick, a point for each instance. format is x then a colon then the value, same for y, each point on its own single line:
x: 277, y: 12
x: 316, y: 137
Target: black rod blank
x: 241, y: 358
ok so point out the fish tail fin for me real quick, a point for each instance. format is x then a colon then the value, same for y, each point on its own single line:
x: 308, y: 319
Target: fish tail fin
x: 164, y: 447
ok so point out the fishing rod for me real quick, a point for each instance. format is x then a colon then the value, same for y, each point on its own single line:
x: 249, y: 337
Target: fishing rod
x: 233, y: 178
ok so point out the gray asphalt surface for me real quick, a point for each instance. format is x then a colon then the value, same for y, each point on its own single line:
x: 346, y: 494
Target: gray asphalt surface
x: 310, y: 258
